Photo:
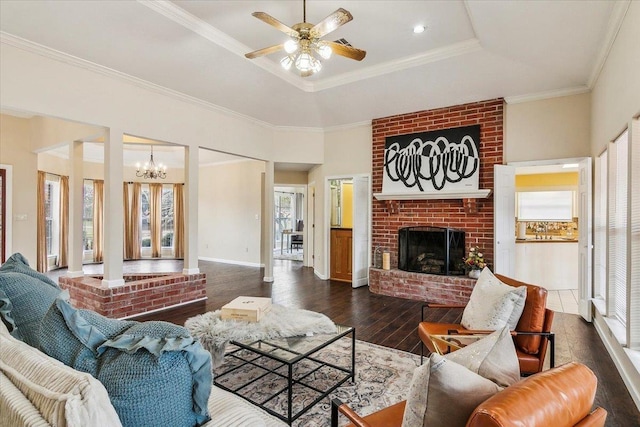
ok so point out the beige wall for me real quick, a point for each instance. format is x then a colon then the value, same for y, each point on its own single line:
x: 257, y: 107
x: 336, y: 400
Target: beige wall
x: 347, y: 152
x: 616, y: 95
x: 229, y: 199
x: 290, y: 178
x: 555, y: 128
x: 14, y: 151
x: 48, y: 132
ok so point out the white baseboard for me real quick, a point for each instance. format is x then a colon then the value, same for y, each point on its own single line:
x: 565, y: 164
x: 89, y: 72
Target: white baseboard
x: 230, y: 261
x: 628, y: 371
x: 320, y: 276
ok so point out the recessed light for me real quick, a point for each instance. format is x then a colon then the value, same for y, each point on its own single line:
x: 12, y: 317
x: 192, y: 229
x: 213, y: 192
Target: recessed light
x: 419, y: 29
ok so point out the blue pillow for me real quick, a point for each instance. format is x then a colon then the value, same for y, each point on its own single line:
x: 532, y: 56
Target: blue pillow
x: 76, y: 346
x: 25, y: 301
x: 17, y: 263
x: 156, y: 373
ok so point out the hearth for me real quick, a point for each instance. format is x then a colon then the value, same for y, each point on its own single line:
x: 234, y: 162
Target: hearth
x: 433, y: 250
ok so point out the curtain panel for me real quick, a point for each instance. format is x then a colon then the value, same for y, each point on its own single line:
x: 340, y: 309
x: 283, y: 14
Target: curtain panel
x: 41, y: 262
x: 98, y: 220
x: 178, y: 221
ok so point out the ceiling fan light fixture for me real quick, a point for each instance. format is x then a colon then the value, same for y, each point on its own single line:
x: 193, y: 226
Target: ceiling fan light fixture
x: 286, y: 62
x: 324, y: 50
x: 290, y: 46
x: 303, y: 62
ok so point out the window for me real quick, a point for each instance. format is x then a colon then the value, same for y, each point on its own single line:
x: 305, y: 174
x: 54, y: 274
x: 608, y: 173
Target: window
x: 600, y: 228
x: 166, y: 220
x: 283, y: 214
x: 166, y: 217
x: 617, y: 202
x: 545, y: 206
x: 52, y: 218
x: 87, y: 217
x: 145, y: 228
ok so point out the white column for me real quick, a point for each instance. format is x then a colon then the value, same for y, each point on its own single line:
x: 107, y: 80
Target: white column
x: 267, y: 244
x: 191, y: 211
x: 76, y: 202
x: 113, y: 211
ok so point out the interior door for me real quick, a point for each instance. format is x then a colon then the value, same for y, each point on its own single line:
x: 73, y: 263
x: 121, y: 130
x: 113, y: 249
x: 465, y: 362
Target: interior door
x: 504, y: 205
x: 360, y: 242
x: 585, y: 244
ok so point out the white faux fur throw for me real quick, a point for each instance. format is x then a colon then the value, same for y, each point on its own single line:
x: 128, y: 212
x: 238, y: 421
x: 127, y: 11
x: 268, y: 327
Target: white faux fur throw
x: 214, y: 333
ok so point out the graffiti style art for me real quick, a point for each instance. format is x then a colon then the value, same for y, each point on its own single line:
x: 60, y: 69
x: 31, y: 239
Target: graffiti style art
x: 435, y: 161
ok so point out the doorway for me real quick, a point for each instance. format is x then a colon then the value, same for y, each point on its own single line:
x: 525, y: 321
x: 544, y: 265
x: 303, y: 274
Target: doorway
x: 348, y: 222
x: 288, y: 223
x: 546, y: 206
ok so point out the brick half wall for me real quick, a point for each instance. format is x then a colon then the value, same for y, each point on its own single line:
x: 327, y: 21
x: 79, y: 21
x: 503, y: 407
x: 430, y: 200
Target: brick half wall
x: 141, y: 293
x: 421, y: 287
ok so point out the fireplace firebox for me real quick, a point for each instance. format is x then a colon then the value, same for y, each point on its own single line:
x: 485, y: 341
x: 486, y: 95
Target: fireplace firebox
x: 433, y: 250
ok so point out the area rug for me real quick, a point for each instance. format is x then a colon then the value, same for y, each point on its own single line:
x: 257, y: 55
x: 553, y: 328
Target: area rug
x: 382, y: 376
x: 214, y: 333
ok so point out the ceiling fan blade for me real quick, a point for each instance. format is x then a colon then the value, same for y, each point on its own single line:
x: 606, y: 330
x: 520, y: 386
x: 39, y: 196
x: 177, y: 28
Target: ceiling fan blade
x: 331, y: 22
x: 264, y: 51
x: 265, y: 17
x: 347, y: 51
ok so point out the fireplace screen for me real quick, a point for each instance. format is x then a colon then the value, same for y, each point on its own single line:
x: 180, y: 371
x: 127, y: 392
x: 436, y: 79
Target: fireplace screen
x: 433, y: 250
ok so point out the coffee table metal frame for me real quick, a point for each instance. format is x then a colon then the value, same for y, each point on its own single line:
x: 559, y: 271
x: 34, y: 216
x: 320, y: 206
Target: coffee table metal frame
x: 270, y: 347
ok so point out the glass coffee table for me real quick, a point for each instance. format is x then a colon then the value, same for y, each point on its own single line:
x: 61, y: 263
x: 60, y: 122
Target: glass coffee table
x: 287, y: 376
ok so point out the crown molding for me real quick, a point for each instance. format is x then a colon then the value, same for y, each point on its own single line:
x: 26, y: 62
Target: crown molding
x: 187, y: 20
x: 547, y: 95
x: 615, y: 22
x: 47, y: 52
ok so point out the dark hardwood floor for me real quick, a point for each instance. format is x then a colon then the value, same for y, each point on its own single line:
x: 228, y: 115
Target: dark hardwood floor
x: 383, y: 320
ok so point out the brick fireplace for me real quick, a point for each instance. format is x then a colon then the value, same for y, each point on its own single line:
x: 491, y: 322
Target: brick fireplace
x: 389, y: 216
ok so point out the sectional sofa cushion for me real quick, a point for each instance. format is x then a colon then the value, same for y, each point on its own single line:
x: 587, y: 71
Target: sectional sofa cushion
x: 54, y: 392
x: 25, y: 298
x: 155, y: 372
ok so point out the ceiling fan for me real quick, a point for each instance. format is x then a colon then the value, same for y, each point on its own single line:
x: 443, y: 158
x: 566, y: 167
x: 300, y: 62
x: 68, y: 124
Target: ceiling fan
x: 306, y: 41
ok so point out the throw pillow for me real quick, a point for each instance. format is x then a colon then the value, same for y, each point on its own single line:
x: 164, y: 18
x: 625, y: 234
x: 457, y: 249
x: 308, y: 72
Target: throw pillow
x: 493, y: 357
x: 72, y: 335
x: 155, y: 372
x: 17, y: 263
x: 493, y: 304
x: 444, y: 394
x: 24, y: 301
x: 62, y: 395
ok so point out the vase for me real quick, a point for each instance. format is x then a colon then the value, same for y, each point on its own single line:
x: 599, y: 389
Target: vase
x: 474, y: 274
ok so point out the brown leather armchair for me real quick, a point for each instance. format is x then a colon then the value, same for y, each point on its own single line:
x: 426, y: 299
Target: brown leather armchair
x: 531, y: 336
x: 559, y: 397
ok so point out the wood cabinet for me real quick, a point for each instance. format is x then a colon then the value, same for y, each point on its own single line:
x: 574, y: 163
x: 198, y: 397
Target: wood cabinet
x: 341, y: 254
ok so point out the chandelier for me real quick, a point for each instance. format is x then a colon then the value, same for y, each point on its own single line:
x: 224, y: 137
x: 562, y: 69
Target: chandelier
x: 150, y: 170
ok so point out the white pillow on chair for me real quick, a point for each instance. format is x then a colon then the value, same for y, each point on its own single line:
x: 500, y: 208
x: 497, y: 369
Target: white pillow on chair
x: 493, y: 304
